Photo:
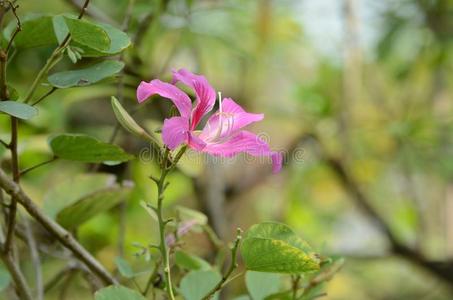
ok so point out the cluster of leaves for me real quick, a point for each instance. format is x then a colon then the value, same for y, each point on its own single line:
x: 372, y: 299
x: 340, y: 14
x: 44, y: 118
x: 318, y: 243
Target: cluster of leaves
x: 279, y: 265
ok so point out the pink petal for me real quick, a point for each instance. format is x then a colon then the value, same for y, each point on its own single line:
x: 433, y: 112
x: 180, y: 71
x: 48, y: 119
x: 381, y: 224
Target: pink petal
x: 166, y: 90
x: 247, y: 142
x: 232, y: 119
x: 175, y: 131
x: 204, y: 91
x: 195, y: 142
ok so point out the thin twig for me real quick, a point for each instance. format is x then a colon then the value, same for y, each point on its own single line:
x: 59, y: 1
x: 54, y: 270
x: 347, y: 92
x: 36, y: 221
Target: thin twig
x: 232, y: 267
x: 50, y: 92
x: 152, y: 278
x: 295, y: 285
x: 19, y: 280
x: 58, y: 277
x: 5, y: 144
x: 16, y: 177
x: 18, y: 26
x: 34, y: 253
x: 23, y: 172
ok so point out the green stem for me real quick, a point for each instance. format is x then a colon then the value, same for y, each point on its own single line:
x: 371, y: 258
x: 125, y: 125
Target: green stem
x: 232, y: 267
x: 54, y: 58
x: 161, y: 185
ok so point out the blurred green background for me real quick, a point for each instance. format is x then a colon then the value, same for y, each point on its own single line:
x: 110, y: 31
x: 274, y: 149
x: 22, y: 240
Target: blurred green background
x: 358, y: 93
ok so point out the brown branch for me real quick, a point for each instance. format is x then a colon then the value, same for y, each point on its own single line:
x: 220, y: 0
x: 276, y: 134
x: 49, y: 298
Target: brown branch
x: 36, y: 259
x: 16, y: 176
x: 61, y: 234
x: 19, y: 280
x: 18, y: 26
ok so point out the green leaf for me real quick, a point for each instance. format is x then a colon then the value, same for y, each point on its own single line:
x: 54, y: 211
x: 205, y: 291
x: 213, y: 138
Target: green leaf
x: 92, y: 205
x: 87, y: 34
x: 124, y: 268
x: 82, y: 197
x: 18, y: 109
x: 83, y: 148
x: 117, y: 292
x: 5, y: 278
x: 36, y: 32
x: 274, y: 247
x: 60, y: 28
x: 118, y: 42
x: 197, y: 284
x: 261, y: 285
x: 71, y: 190
x: 86, y: 76
x: 191, y: 262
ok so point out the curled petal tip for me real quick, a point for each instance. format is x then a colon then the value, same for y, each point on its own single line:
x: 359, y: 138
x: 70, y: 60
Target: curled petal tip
x: 142, y: 93
x: 277, y: 162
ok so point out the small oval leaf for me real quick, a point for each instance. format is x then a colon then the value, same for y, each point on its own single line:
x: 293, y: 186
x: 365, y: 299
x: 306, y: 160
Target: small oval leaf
x: 87, y: 76
x: 87, y: 34
x: 18, y: 109
x: 274, y: 247
x: 83, y: 148
x: 124, y: 268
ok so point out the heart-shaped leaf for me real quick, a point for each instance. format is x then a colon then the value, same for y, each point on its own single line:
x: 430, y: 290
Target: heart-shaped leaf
x: 197, y: 284
x: 117, y: 292
x: 87, y: 76
x: 274, y: 247
x: 84, y: 148
x: 260, y: 285
x: 18, y: 109
x: 124, y: 268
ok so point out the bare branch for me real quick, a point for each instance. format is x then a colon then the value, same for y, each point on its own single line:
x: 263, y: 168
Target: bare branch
x: 36, y: 259
x: 65, y: 238
x: 20, y: 283
x: 18, y: 26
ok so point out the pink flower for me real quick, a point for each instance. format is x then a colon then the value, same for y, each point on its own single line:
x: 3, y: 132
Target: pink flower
x: 222, y: 135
